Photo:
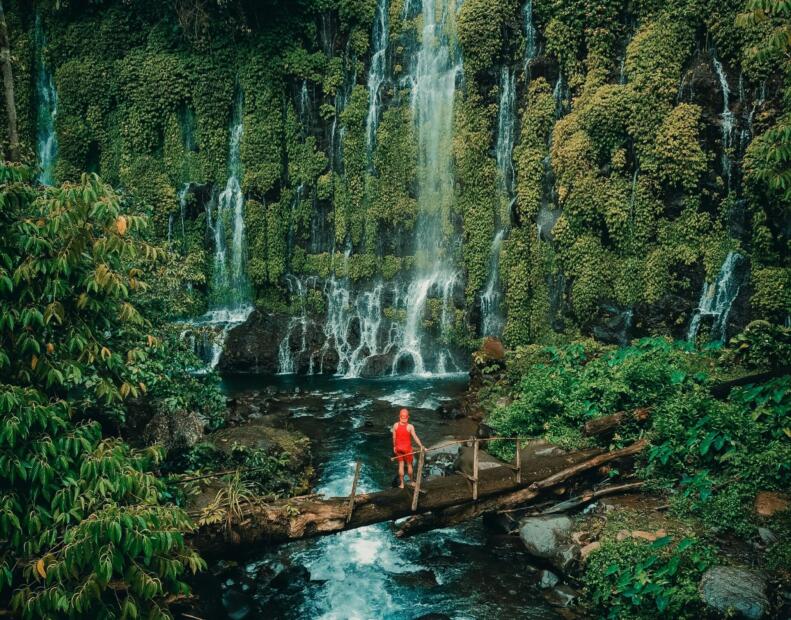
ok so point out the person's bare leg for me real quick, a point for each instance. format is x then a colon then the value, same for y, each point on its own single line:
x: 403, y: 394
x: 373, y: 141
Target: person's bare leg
x: 409, y: 471
x: 401, y: 474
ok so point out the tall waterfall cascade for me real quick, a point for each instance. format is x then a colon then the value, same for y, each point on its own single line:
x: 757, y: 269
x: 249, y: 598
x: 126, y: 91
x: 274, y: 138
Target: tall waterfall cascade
x: 531, y: 45
x: 376, y: 74
x: 492, y: 320
x: 47, y: 112
x: 359, y: 336
x: 726, y: 118
x: 717, y: 299
x: 230, y: 290
x: 433, y: 92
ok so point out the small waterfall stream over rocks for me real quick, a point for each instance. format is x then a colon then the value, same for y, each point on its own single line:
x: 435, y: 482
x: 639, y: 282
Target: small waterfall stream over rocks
x: 717, y: 298
x: 726, y: 119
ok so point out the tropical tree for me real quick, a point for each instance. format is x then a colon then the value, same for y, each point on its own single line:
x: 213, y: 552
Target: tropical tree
x: 83, y: 530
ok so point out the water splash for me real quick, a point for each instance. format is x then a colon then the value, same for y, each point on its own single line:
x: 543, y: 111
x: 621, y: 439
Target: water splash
x: 286, y: 360
x: 47, y: 112
x: 376, y: 74
x: 726, y: 118
x: 717, y: 299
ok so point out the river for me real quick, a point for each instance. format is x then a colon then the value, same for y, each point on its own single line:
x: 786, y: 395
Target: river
x: 461, y: 572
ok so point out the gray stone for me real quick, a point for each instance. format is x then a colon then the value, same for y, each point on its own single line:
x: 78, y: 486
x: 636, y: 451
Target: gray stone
x: 547, y: 579
x: 561, y: 596
x: 549, y: 538
x: 731, y: 590
x: 767, y: 536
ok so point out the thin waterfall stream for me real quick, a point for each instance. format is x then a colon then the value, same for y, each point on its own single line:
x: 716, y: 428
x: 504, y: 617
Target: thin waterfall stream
x: 47, y: 112
x: 491, y: 313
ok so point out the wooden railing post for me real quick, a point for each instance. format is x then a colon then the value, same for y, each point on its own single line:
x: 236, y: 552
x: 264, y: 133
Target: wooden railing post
x: 350, y: 509
x: 518, y: 463
x: 418, y: 479
x: 475, y: 471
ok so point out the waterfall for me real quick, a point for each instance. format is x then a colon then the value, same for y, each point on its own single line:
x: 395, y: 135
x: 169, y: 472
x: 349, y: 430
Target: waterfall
x: 286, y: 361
x: 433, y: 91
x: 47, y: 112
x: 726, y: 118
x: 376, y: 74
x: 230, y: 289
x: 303, y: 107
x: 557, y: 94
x: 491, y: 297
x: 230, y: 292
x: 182, y: 195
x: 717, y: 298
x: 531, y: 47
x: 492, y: 320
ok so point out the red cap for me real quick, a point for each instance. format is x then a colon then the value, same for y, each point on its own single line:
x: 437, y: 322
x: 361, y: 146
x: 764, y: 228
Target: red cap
x: 406, y: 411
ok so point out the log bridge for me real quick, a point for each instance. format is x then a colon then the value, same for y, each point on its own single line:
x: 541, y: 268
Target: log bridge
x: 481, y: 484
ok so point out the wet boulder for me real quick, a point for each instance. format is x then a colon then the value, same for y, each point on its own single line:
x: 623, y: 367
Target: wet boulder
x: 174, y: 431
x: 377, y: 365
x: 549, y: 538
x: 291, y: 580
x: 734, y: 592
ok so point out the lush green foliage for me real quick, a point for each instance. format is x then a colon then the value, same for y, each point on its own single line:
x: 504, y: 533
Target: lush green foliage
x: 85, y: 533
x: 638, y: 579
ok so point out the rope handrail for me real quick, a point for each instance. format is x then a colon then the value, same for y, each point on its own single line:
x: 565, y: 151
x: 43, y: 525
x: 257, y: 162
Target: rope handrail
x: 459, y: 441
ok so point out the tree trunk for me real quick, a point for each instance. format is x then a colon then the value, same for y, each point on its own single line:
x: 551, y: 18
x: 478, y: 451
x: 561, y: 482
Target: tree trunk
x: 8, y: 84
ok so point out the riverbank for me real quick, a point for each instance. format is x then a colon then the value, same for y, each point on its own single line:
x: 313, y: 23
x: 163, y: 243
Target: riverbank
x: 708, y: 531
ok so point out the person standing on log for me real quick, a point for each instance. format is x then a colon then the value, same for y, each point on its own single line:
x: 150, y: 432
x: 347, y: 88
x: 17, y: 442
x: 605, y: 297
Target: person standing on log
x: 403, y: 432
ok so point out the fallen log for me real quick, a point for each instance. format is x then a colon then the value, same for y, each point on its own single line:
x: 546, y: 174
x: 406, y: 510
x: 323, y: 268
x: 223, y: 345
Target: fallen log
x: 608, y: 423
x: 589, y: 496
x: 291, y: 519
x: 460, y: 513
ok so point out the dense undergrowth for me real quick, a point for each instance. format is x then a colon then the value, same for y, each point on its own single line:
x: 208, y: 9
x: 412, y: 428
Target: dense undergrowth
x: 710, y: 456
x: 87, y: 526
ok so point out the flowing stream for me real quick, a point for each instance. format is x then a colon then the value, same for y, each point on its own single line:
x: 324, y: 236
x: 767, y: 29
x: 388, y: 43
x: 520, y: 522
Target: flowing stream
x: 461, y: 572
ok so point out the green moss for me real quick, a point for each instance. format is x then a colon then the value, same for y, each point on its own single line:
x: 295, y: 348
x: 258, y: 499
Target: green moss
x: 771, y: 298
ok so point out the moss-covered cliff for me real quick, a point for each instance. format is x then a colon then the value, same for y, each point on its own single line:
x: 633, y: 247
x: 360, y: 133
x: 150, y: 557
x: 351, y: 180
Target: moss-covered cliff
x: 637, y: 156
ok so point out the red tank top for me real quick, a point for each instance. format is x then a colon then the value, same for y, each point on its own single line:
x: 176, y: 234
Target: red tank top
x: 403, y: 438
